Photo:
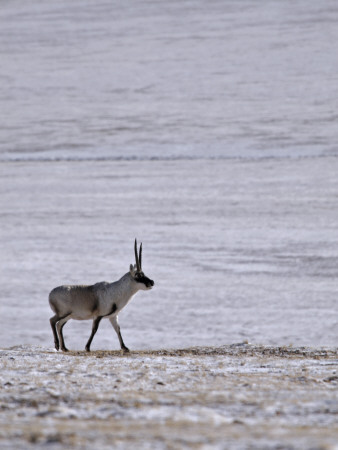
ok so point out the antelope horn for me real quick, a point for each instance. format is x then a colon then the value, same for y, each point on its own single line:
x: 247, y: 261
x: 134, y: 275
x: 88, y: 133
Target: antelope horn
x: 140, y: 256
x: 138, y: 265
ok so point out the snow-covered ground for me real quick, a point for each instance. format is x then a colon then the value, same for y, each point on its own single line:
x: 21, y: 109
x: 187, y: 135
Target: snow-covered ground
x: 251, y: 256
x: 233, y: 397
x: 238, y: 249
x: 176, y: 78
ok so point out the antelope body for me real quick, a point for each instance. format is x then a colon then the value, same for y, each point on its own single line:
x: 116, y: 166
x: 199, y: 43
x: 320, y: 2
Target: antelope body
x: 98, y: 301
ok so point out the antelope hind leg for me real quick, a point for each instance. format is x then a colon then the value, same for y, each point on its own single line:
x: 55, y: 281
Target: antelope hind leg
x: 59, y: 326
x: 53, y: 320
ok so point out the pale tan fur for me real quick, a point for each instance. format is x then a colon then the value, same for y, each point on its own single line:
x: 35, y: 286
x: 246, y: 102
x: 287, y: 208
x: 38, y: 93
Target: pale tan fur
x: 101, y: 300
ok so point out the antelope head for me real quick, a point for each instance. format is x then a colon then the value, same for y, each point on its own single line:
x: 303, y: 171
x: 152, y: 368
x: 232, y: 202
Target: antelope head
x: 137, y: 273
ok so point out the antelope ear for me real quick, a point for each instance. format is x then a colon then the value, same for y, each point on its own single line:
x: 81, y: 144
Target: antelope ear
x: 131, y: 269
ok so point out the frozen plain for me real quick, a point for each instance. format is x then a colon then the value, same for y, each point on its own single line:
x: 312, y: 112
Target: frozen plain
x: 239, y: 250
x: 250, y: 257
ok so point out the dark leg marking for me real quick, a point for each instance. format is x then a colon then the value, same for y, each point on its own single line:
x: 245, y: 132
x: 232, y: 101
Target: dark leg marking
x: 53, y: 320
x: 63, y: 346
x: 95, y: 327
x: 116, y: 326
x: 123, y: 347
x: 114, y: 308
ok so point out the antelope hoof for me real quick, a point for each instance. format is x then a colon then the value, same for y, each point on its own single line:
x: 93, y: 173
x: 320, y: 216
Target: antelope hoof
x: 64, y: 349
x: 87, y: 349
x: 125, y: 350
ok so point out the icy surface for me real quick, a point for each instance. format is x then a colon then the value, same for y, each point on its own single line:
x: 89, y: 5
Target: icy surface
x: 238, y: 249
x: 179, y: 78
x: 234, y: 397
x: 206, y: 129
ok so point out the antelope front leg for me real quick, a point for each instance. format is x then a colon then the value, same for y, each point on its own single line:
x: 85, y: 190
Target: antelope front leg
x: 95, y: 326
x: 116, y: 326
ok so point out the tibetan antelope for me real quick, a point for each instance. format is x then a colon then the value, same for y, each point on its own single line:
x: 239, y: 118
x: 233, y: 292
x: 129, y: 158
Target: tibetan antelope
x: 98, y: 301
